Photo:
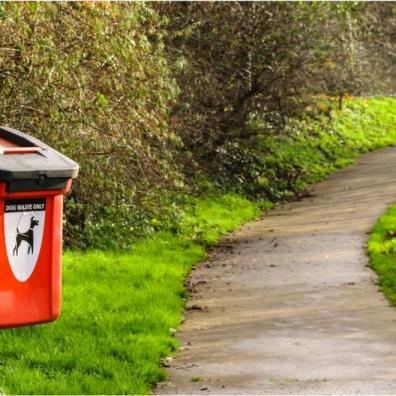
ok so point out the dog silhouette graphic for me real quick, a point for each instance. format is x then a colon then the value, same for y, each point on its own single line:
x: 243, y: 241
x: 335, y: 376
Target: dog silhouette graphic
x: 27, y: 236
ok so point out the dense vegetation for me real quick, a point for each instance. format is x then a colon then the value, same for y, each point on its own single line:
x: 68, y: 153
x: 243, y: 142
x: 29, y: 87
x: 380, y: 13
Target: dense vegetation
x: 159, y: 101
x: 91, y: 80
x: 121, y: 309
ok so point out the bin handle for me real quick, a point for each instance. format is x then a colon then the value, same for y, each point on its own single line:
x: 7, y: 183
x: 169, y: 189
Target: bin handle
x: 19, y: 150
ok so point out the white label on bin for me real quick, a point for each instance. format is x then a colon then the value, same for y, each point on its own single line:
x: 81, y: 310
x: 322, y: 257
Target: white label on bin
x: 23, y: 232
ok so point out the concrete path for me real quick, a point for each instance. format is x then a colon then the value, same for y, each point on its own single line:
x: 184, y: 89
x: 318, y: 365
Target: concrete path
x: 292, y: 306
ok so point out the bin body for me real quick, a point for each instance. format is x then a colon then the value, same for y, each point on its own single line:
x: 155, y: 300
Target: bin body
x: 31, y: 204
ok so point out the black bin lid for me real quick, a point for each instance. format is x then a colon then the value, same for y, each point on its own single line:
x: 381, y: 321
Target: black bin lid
x: 24, y: 157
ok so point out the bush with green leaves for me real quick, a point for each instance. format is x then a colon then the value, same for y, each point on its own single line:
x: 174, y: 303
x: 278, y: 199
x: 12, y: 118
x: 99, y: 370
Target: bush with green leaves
x: 91, y: 80
x: 159, y: 101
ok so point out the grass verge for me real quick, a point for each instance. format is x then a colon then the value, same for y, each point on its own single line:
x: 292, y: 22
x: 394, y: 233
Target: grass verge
x: 119, y: 312
x: 382, y: 252
x: 120, y: 309
x: 313, y: 148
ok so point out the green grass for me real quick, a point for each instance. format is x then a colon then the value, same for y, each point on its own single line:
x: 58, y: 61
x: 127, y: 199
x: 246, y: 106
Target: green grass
x: 382, y: 252
x: 119, y: 312
x: 311, y: 149
x: 120, y: 309
x: 205, y: 220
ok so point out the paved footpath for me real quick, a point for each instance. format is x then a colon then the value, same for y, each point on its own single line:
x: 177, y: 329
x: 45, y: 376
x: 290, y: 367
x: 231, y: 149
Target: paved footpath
x: 291, y: 306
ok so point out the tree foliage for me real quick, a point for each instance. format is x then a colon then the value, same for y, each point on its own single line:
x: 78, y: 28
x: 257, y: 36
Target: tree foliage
x: 91, y: 80
x: 252, y: 66
x: 157, y: 99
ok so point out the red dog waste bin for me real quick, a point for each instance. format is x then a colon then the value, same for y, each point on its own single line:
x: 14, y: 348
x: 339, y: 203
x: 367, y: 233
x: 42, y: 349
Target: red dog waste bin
x: 33, y: 180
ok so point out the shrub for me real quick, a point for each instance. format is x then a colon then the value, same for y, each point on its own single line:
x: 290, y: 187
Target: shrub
x: 91, y: 80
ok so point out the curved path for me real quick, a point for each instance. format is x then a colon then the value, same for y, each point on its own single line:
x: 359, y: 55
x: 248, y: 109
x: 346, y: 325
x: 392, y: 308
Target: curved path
x: 292, y: 306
